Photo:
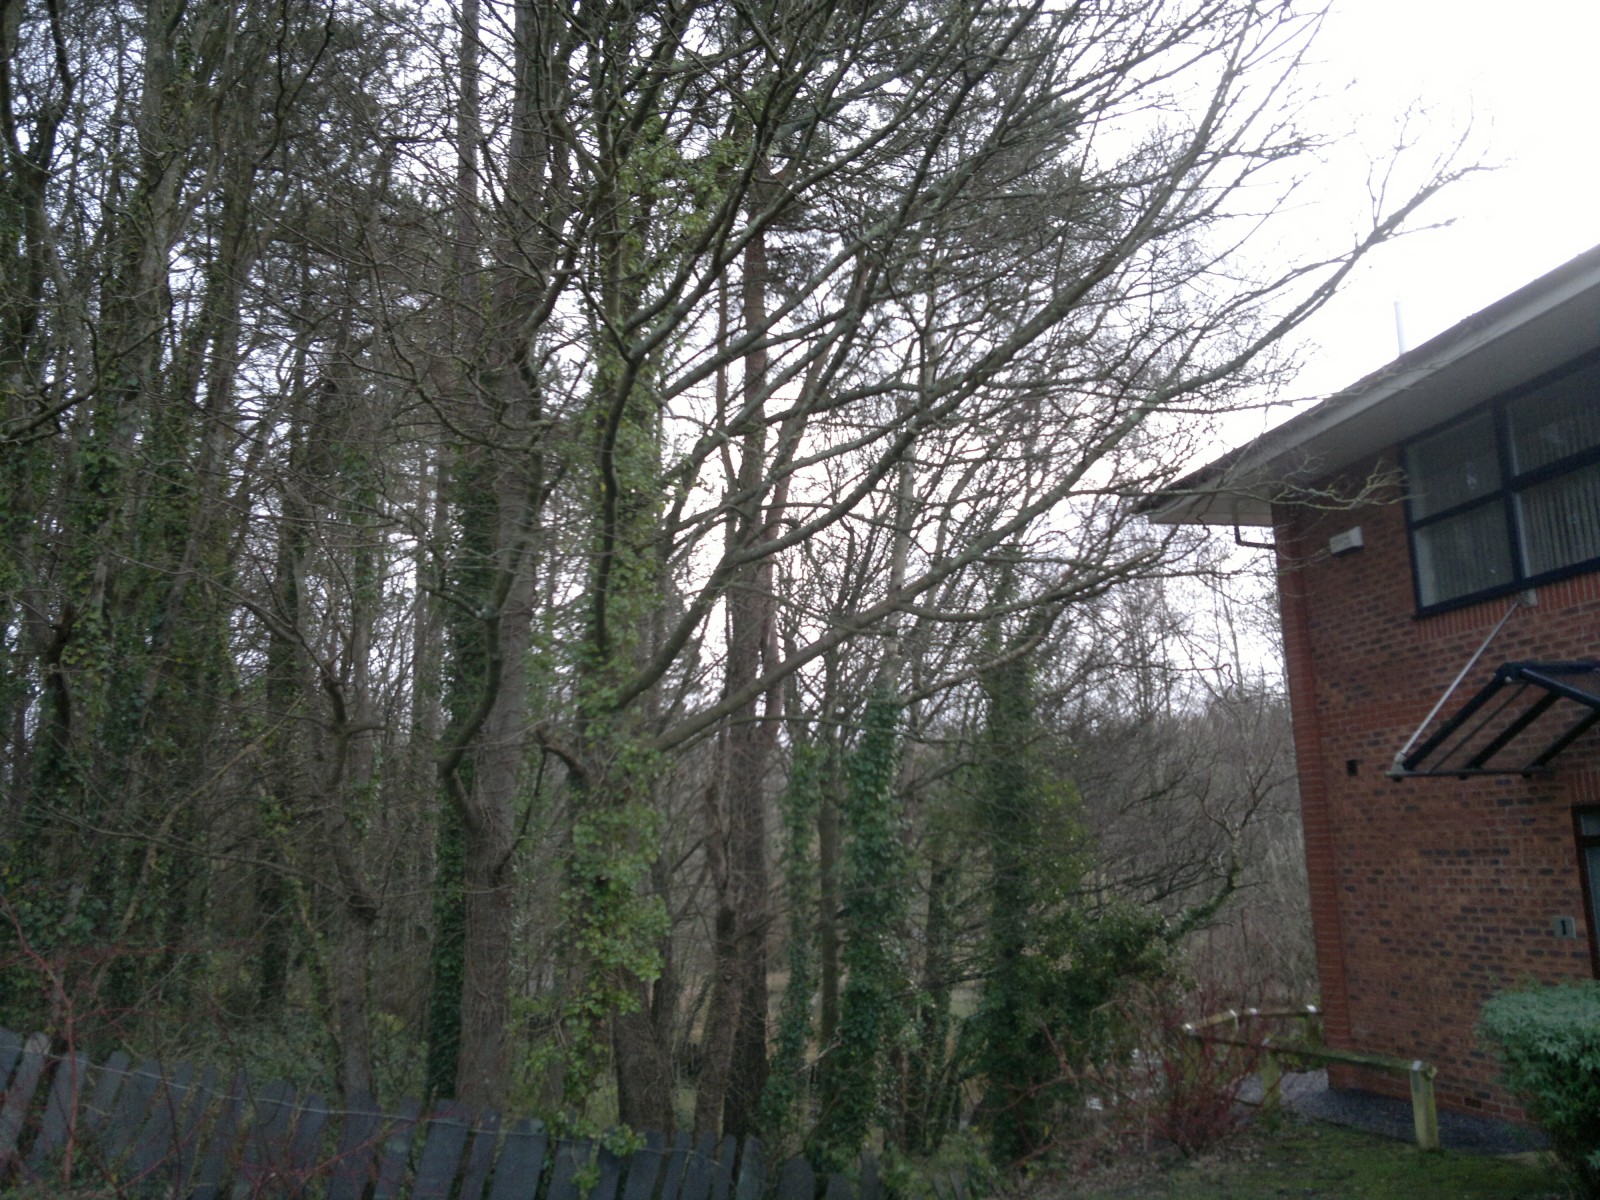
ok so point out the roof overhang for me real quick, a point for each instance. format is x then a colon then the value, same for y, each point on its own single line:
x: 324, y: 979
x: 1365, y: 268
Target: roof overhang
x: 1535, y: 329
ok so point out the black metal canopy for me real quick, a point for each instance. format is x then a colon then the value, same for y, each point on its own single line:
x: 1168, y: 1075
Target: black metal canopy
x: 1516, y: 724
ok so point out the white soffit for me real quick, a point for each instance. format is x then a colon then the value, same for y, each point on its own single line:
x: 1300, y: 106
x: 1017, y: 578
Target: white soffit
x: 1535, y: 329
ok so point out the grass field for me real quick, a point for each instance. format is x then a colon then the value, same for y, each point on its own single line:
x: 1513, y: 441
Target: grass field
x: 1318, y: 1162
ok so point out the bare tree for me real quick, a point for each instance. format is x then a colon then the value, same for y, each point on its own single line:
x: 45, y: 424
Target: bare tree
x: 437, y: 444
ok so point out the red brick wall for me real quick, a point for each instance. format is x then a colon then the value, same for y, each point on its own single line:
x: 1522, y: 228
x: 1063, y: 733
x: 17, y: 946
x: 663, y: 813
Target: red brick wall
x: 1428, y: 895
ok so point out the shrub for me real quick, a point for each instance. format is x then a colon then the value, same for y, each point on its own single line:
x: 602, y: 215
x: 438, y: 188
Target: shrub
x: 1053, y: 1014
x: 1548, y: 1042
x: 1172, y: 1089
x: 1196, y: 1084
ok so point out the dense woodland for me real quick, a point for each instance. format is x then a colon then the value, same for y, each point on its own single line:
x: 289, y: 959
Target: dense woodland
x: 583, y: 556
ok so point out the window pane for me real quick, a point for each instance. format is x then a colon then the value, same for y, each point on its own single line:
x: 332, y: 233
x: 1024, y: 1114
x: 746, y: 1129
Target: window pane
x: 1462, y: 554
x: 1561, y: 521
x: 1592, y: 855
x: 1558, y: 420
x: 1452, y: 467
x: 1589, y: 822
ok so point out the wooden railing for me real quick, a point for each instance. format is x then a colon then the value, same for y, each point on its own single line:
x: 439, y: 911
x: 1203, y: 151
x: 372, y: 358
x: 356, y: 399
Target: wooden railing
x: 155, y: 1130
x: 1424, y: 1108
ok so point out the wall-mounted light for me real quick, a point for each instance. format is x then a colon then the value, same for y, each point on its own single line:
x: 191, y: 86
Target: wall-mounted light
x: 1347, y: 542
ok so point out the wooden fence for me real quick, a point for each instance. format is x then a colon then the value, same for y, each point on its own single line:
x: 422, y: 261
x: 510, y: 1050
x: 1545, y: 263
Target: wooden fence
x: 153, y: 1130
x: 1424, y: 1107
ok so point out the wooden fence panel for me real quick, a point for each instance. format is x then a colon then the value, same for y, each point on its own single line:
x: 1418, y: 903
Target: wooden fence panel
x: 797, y: 1181
x: 128, y: 1117
x: 70, y: 1082
x: 225, y: 1131
x: 480, y: 1159
x: 306, y: 1159
x: 871, y: 1188
x: 112, y: 1075
x: 609, y: 1178
x: 163, y: 1131
x: 19, y: 1093
x: 677, y: 1160
x: 722, y: 1174
x: 516, y: 1175
x: 396, y: 1151
x: 449, y: 1123
x: 644, y: 1169
x: 571, y: 1156
x: 202, y: 1099
x: 358, y: 1145
x: 697, y: 1170
x: 752, y: 1172
x: 10, y: 1053
x: 156, y: 1142
x: 266, y: 1145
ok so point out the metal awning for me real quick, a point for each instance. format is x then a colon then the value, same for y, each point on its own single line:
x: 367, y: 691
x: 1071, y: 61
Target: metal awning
x: 1516, y: 724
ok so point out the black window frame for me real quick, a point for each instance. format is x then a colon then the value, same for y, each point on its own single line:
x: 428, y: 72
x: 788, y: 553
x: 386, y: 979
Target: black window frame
x: 1505, y: 495
x: 1591, y: 907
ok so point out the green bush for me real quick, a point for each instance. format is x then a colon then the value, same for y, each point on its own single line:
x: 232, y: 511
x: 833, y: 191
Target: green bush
x: 1548, y: 1042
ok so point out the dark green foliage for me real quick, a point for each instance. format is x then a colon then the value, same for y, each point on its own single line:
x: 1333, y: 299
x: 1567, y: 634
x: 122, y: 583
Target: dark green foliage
x: 1012, y: 1026
x: 1051, y: 1012
x: 33, y: 920
x: 471, y: 581
x: 1054, y: 964
x: 615, y: 929
x: 932, y: 1100
x: 872, y: 1010
x: 1548, y: 1042
x: 447, y: 950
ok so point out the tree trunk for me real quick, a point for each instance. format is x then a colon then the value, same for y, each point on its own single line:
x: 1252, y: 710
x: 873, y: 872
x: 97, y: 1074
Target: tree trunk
x: 351, y: 952
x: 488, y: 806
x: 483, y: 1070
x: 644, y: 1075
x: 736, y: 1043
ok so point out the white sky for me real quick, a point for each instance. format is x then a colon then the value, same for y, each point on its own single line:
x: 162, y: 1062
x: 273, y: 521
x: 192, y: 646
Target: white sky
x: 1523, y: 76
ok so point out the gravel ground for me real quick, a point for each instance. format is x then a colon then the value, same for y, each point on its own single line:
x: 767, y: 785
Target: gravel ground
x: 1308, y: 1094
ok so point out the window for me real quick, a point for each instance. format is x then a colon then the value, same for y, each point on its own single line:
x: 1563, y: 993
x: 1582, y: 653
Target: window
x: 1510, y: 494
x: 1589, y: 861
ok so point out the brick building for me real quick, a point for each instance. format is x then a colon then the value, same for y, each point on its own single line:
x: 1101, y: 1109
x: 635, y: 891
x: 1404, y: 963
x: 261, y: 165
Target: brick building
x: 1437, y: 532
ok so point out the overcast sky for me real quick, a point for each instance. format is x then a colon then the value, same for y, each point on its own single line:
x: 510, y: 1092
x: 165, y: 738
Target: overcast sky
x: 1524, y: 76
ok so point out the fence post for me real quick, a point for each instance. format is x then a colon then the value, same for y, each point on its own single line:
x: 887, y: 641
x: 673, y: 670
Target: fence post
x: 1424, y: 1112
x: 1271, y: 1077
